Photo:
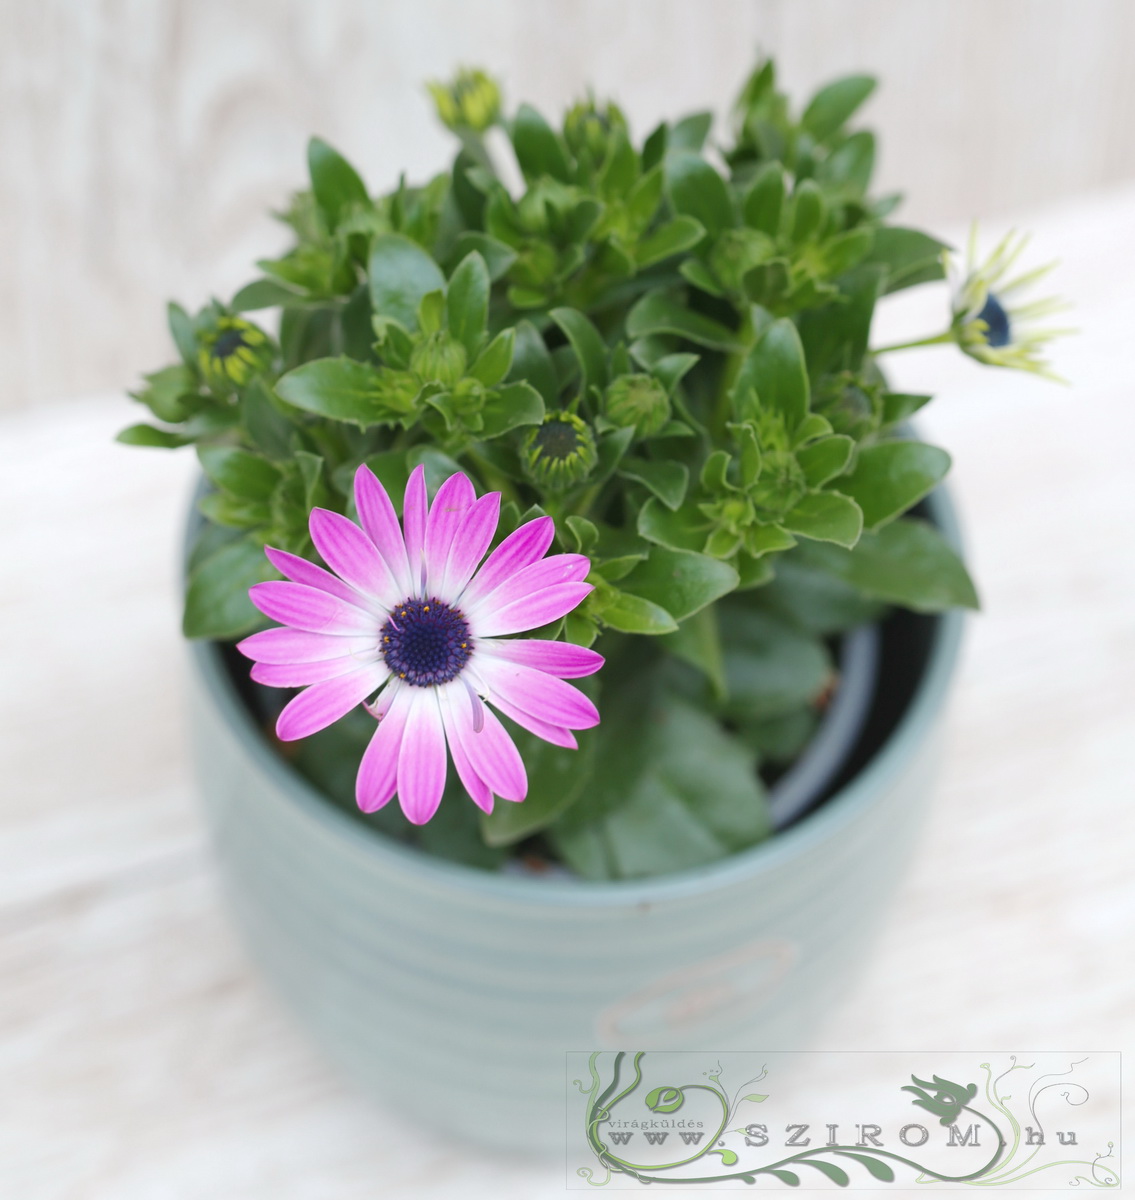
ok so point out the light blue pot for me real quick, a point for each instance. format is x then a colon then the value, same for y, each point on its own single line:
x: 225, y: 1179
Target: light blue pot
x: 453, y: 993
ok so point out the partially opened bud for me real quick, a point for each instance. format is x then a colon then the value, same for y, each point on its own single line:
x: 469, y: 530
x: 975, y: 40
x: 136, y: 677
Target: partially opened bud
x: 638, y: 400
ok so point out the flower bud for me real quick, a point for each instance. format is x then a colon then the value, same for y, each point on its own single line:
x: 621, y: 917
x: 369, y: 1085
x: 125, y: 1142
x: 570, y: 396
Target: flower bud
x: 588, y: 128
x: 560, y: 452
x: 638, y: 400
x: 232, y: 352
x: 437, y: 358
x: 471, y: 101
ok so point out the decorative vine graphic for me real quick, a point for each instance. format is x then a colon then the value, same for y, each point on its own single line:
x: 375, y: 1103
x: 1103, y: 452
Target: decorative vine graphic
x: 1013, y: 1158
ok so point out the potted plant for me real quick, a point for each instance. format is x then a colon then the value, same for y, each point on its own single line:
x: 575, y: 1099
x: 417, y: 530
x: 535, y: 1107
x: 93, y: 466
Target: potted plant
x: 623, y: 427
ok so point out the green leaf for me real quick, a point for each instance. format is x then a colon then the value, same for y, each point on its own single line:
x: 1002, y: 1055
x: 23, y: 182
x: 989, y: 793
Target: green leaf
x: 532, y: 363
x: 670, y: 791
x: 666, y: 478
x: 263, y: 293
x: 216, y: 600
x: 811, y: 598
x: 808, y: 210
x: 183, y: 334
x: 698, y: 642
x: 494, y: 362
x: 686, y: 529
x: 690, y: 132
x: 631, y: 614
x: 909, y: 255
x: 832, y: 106
x: 695, y: 272
x: 764, y: 201
x: 900, y: 406
x: 511, y: 406
x: 681, y: 581
x: 335, y: 183
x: 658, y: 312
x: 698, y: 191
x: 907, y: 562
x: 236, y: 511
x: 755, y: 1097
x: 771, y: 668
x: 671, y: 368
x: 539, y: 149
x: 682, y: 233
x: 851, y: 165
x: 238, y: 472
x: 556, y: 779
x: 150, y: 435
x: 825, y: 517
x: 587, y: 343
x: 835, y: 336
x: 344, y: 390
x: 497, y: 255
x: 401, y: 273
x: 891, y: 477
x: 776, y: 368
x: 165, y: 392
x: 467, y: 302
x: 825, y: 459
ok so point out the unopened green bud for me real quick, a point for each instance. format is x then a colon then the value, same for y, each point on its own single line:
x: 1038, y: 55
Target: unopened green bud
x: 437, y: 358
x: 851, y: 405
x: 560, y: 452
x: 638, y: 400
x: 472, y: 100
x: 738, y: 251
x: 780, y: 486
x: 588, y: 127
x: 232, y: 352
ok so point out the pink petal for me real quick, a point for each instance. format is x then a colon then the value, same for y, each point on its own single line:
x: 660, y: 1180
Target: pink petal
x: 562, y: 659
x: 479, y: 791
x: 555, y: 734
x: 545, y: 697
x: 377, y: 779
x: 414, y: 510
x: 470, y: 542
x: 352, y: 556
x: 524, y: 546
x: 421, y: 760
x: 283, y: 645
x: 452, y: 501
x: 546, y: 573
x: 299, y: 570
x: 300, y: 674
x: 376, y: 512
x: 323, y: 703
x: 530, y: 612
x: 310, y: 609
x: 491, y: 752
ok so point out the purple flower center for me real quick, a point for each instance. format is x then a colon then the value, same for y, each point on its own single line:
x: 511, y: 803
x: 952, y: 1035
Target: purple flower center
x: 997, y: 320
x: 228, y: 342
x: 425, y: 642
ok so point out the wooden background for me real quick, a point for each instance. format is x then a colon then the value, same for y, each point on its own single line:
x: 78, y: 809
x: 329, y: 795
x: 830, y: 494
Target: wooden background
x: 141, y: 141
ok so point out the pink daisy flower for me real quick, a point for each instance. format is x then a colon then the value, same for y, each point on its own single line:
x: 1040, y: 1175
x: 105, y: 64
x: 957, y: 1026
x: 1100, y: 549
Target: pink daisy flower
x: 417, y: 618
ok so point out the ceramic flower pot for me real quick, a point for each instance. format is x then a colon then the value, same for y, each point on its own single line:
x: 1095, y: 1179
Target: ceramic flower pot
x: 453, y: 994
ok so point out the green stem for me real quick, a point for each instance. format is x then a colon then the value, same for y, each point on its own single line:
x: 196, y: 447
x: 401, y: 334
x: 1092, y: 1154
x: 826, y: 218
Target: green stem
x: 938, y: 340
x: 746, y: 335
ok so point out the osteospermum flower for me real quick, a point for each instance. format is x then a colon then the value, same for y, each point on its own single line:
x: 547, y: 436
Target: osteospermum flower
x: 987, y: 320
x: 413, y: 615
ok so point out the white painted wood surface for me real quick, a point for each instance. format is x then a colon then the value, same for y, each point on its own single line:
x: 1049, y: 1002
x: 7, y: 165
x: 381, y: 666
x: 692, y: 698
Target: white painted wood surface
x: 142, y: 142
x: 140, y: 1057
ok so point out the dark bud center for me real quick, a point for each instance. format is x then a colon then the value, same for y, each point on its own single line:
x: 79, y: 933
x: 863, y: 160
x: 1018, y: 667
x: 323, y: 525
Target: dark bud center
x: 997, y: 319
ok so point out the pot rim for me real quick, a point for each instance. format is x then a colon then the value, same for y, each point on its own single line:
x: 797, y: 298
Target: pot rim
x: 822, y: 822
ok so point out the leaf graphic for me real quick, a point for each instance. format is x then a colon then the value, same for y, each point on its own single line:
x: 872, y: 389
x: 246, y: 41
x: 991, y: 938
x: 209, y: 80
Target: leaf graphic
x: 834, y: 1173
x: 755, y: 1098
x: 787, y: 1177
x: 876, y: 1166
